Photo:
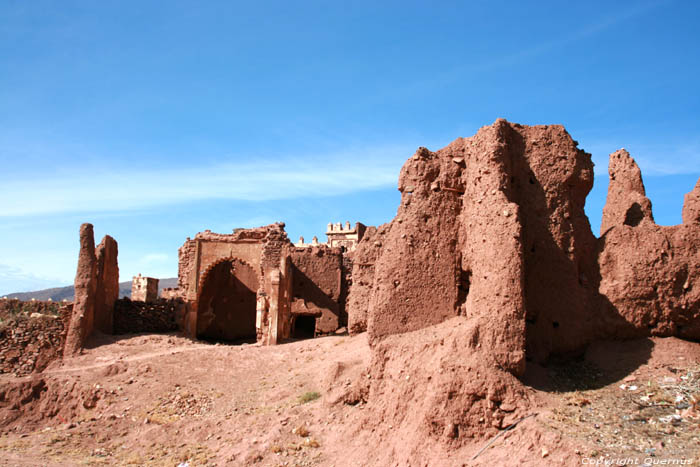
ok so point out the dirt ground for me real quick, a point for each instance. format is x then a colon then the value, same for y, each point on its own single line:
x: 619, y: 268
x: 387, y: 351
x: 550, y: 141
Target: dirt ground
x: 166, y: 400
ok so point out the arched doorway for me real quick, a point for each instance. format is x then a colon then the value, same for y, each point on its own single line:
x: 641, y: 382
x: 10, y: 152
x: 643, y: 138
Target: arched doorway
x: 226, y: 307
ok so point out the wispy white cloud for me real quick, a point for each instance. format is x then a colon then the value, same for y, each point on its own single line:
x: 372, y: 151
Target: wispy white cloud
x: 13, y: 279
x: 255, y: 180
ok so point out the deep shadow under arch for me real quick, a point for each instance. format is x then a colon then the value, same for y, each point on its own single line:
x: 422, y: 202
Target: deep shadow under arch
x: 226, y: 307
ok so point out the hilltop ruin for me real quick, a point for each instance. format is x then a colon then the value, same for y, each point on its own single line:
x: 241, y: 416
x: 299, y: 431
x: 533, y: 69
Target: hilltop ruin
x: 489, y: 269
x: 491, y: 229
x: 490, y: 265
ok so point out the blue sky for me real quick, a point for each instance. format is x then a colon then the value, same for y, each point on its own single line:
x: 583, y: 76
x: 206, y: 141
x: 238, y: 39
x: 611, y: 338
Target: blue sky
x: 156, y: 120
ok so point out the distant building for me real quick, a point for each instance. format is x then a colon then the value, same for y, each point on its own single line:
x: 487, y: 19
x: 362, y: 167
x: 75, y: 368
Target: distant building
x: 339, y: 236
x: 144, y: 289
x: 345, y: 237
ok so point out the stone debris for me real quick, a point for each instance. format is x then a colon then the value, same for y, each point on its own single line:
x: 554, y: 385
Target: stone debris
x: 29, y: 343
x: 135, y: 317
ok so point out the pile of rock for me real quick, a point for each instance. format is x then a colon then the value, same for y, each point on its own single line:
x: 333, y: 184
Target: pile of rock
x: 11, y: 307
x: 28, y: 343
x: 135, y: 317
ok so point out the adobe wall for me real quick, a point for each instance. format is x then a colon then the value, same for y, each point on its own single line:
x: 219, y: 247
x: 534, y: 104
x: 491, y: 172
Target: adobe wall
x: 261, y: 255
x: 490, y: 259
x: 107, y: 290
x: 492, y: 228
x: 198, y: 255
x: 289, y: 281
x: 277, y: 281
x: 170, y: 293
x: 362, y: 277
x: 96, y: 290
x: 650, y: 274
x: 317, y: 290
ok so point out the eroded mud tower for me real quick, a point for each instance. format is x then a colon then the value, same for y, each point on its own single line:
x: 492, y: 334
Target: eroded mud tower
x: 491, y: 262
x: 96, y: 290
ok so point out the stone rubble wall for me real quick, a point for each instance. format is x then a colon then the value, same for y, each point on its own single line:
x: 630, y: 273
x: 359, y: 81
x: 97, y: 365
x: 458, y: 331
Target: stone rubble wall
x: 9, y: 308
x: 276, y: 245
x: 32, y: 335
x: 186, y: 258
x: 132, y: 317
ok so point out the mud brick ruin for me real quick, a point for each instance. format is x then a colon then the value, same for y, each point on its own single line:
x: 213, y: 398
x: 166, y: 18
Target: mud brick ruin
x: 96, y: 290
x: 255, y: 284
x: 490, y: 263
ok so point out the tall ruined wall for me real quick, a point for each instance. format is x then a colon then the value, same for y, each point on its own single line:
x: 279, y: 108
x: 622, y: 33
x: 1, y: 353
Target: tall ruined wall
x: 275, y: 246
x: 82, y: 319
x: 492, y: 228
x: 107, y: 284
x: 415, y: 278
x: 317, y: 279
x: 650, y: 273
x: 185, y: 264
x: 551, y: 178
x: 277, y: 283
x: 363, y: 260
x: 96, y: 289
x: 627, y: 202
x: 491, y: 258
x: 691, y: 207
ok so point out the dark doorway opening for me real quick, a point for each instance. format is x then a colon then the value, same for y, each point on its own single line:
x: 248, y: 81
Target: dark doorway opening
x: 304, y: 327
x: 227, y: 304
x: 465, y: 280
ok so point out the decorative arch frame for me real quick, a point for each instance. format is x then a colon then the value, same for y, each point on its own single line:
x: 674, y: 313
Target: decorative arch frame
x: 233, y: 259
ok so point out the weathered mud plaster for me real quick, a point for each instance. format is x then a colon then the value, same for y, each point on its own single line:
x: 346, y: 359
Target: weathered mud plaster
x: 96, y: 290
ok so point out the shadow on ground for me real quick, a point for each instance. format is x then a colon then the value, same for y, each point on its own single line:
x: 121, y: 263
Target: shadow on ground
x: 603, y: 363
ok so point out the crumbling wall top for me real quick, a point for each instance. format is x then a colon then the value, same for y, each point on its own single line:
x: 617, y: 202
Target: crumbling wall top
x: 238, y: 235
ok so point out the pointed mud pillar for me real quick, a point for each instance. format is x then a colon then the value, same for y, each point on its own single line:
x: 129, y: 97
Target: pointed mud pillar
x: 691, y: 206
x: 82, y: 319
x: 627, y: 202
x: 107, y: 284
